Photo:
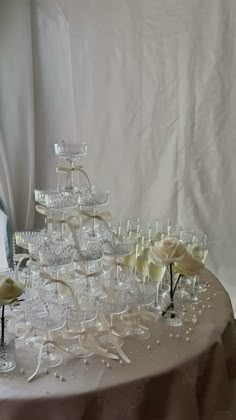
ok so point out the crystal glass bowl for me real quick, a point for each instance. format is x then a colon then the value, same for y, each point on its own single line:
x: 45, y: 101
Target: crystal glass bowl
x: 23, y: 239
x: 91, y: 198
x: 39, y: 195
x: 70, y: 150
x: 118, y: 249
x: 61, y: 199
x: 55, y: 252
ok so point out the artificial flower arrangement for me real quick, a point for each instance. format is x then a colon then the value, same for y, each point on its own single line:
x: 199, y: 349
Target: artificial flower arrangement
x: 172, y: 254
x: 10, y: 291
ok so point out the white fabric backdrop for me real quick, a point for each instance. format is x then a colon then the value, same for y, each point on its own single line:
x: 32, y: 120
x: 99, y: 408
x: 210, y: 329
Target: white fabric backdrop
x: 151, y: 86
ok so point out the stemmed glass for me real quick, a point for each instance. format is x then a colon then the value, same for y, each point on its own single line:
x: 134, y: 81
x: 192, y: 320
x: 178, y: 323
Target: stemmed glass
x: 112, y: 306
x: 199, y: 250
x: 142, y: 296
x: 48, y: 317
x: 77, y: 321
x: 156, y: 274
x: 70, y: 155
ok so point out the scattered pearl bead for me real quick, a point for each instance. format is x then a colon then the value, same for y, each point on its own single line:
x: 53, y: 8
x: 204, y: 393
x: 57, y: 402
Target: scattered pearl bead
x: 171, y: 335
x: 108, y: 365
x: 208, y: 298
x: 187, y: 339
x: 149, y: 347
x: 209, y: 306
x: 203, y: 306
x: 121, y: 362
x: 85, y: 361
x: 22, y: 370
x: 62, y: 378
x: 186, y: 332
x: 56, y: 375
x: 46, y: 371
x: 200, y: 312
x: 215, y: 294
x: 103, y: 362
x: 177, y: 336
x: 158, y: 341
x: 190, y: 329
x: 184, y: 309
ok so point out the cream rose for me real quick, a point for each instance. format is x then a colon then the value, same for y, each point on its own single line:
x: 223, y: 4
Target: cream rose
x: 167, y: 252
x: 10, y: 290
x: 188, y: 266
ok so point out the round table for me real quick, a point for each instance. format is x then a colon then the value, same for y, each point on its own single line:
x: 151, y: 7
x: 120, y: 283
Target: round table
x: 183, y: 373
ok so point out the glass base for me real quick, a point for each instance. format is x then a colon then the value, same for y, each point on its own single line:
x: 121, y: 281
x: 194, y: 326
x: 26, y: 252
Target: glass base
x: 108, y: 343
x: 155, y: 307
x: 184, y: 295
x: 50, y: 360
x: 7, y: 356
x: 200, y: 287
x: 139, y: 332
x: 79, y: 351
x: 34, y: 342
x: 194, y: 299
x: 7, y: 365
x: 173, y: 319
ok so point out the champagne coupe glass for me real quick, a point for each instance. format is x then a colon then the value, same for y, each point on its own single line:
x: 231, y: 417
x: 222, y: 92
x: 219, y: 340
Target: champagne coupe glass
x: 69, y: 155
x: 77, y: 320
x: 141, y: 297
x: 116, y: 252
x: 112, y: 307
x: 48, y: 317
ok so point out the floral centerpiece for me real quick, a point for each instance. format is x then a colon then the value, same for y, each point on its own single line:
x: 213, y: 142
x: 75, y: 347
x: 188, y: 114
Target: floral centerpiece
x: 10, y: 291
x: 179, y: 262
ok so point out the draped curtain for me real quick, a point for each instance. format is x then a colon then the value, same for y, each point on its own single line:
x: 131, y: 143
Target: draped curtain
x: 150, y: 85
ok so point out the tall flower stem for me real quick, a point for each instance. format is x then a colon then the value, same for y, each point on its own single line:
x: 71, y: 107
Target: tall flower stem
x: 171, y: 287
x: 177, y: 282
x: 3, y: 325
x: 172, y: 291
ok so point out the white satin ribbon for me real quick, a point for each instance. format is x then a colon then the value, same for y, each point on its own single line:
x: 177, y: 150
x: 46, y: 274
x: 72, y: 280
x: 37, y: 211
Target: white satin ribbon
x: 50, y: 279
x: 98, y: 216
x: 93, y: 345
x: 113, y: 338
x: 69, y: 169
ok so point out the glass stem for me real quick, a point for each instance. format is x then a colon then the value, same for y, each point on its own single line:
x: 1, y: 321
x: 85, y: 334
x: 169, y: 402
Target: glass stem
x: 3, y: 325
x: 156, y: 301
x: 71, y: 177
x: 117, y: 275
x: 48, y: 345
x: 171, y: 288
x: 194, y: 285
x: 138, y: 318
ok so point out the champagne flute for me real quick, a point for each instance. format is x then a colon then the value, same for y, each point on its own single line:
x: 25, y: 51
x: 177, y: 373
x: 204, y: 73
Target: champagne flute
x: 156, y: 274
